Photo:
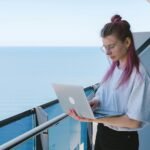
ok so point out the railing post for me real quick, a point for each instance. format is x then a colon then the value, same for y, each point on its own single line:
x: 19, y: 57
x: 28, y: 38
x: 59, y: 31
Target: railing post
x: 43, y: 138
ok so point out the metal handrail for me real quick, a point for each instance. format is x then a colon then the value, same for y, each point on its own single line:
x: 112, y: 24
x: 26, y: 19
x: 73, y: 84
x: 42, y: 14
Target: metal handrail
x: 35, y: 131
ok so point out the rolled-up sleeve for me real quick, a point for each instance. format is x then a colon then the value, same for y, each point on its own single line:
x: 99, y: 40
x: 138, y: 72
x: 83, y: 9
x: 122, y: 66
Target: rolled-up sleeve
x: 139, y: 100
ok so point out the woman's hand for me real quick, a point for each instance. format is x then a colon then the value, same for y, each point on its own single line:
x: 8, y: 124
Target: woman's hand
x: 94, y: 103
x: 72, y: 113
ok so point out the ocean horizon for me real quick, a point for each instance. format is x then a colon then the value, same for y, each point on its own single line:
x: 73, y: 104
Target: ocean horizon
x: 27, y: 74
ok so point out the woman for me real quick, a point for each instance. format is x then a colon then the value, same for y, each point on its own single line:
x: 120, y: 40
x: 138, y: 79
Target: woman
x: 124, y: 89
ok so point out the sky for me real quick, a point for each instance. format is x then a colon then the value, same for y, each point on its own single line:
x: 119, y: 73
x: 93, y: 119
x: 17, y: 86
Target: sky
x: 65, y: 22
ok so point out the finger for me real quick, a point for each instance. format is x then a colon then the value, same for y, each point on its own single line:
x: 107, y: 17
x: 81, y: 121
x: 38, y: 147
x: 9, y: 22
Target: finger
x: 70, y: 112
x: 94, y: 106
x: 91, y: 103
x: 75, y: 112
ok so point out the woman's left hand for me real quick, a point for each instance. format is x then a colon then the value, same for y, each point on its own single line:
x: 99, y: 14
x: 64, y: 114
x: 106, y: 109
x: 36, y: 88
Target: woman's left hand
x: 74, y: 115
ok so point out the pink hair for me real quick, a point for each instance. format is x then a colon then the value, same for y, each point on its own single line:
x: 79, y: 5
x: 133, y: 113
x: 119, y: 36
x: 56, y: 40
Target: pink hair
x: 121, y: 29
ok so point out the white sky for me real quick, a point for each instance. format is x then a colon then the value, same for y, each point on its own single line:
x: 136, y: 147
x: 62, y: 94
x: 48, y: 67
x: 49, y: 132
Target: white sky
x: 65, y: 22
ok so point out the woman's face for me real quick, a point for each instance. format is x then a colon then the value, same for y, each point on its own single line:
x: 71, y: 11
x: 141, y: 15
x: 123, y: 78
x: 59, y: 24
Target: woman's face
x: 114, y: 48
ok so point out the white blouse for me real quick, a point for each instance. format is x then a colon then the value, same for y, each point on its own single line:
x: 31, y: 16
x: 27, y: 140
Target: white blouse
x: 131, y: 98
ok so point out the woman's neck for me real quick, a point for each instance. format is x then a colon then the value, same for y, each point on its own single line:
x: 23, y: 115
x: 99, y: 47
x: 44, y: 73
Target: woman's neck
x: 122, y: 63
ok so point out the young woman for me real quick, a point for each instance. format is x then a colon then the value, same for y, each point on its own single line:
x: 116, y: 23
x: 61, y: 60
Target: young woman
x: 124, y: 89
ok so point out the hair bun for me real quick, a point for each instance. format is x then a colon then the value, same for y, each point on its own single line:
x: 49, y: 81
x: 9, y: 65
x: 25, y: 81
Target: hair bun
x: 116, y: 18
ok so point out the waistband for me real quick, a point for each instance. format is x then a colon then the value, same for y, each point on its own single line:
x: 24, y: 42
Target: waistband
x: 103, y: 128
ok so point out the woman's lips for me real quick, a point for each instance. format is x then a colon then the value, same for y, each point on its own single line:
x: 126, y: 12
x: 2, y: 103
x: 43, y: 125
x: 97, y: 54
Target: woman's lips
x: 112, y: 57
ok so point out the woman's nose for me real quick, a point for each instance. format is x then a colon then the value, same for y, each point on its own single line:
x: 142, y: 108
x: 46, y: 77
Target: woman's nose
x: 108, y: 52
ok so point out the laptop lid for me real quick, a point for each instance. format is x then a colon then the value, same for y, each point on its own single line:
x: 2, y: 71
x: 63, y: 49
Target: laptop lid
x: 73, y: 97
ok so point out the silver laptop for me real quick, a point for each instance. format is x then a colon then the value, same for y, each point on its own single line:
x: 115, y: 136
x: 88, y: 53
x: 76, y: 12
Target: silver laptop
x: 73, y: 97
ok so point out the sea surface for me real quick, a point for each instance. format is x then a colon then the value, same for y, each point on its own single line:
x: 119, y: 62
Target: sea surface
x: 27, y: 74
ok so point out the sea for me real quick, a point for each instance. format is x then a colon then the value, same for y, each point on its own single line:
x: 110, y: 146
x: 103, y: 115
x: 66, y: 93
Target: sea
x: 27, y: 74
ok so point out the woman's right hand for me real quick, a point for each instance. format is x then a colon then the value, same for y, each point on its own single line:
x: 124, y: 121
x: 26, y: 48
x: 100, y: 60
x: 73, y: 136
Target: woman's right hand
x: 94, y: 103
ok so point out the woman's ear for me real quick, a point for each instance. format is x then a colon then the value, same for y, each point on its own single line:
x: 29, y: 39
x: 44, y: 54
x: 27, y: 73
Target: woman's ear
x: 127, y: 42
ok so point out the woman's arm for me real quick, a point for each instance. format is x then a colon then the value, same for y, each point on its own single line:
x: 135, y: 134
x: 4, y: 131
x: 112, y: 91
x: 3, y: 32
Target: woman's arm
x: 119, y: 121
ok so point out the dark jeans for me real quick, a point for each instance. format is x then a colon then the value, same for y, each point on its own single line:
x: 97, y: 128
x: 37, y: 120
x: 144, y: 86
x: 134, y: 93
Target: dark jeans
x: 108, y: 139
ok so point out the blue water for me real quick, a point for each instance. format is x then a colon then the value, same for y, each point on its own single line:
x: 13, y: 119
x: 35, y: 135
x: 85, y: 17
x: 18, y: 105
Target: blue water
x: 27, y: 74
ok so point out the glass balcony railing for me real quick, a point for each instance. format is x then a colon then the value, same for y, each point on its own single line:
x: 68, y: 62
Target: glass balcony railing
x: 15, y: 126
x: 64, y: 134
